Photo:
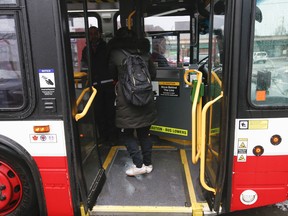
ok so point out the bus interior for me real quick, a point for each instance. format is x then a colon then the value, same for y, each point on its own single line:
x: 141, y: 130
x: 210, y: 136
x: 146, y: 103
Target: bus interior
x: 215, y: 94
x: 173, y: 188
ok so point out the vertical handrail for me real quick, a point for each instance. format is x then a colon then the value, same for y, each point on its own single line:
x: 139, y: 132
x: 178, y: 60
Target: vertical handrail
x: 129, y: 21
x: 195, y: 110
x: 199, y: 124
x: 203, y: 146
x: 215, y: 77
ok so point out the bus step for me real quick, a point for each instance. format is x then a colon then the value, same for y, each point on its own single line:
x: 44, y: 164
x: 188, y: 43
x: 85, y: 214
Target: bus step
x: 161, y: 192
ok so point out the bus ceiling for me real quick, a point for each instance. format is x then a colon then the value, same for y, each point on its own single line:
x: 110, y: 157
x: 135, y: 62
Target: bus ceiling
x: 152, y: 7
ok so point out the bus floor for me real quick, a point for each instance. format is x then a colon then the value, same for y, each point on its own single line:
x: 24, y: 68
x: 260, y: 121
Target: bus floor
x: 170, y: 189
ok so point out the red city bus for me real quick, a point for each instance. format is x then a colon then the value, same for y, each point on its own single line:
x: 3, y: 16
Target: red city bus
x: 219, y: 141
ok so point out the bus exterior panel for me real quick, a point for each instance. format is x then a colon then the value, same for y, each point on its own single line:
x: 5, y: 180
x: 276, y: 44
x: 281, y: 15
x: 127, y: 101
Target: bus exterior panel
x: 260, y: 153
x: 49, y: 152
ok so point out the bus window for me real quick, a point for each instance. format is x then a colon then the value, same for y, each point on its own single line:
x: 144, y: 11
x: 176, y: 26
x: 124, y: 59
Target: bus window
x: 164, y: 51
x: 269, y: 82
x: 218, y: 33
x: 8, y: 2
x: 185, y: 49
x: 170, y: 43
x: 11, y: 86
x: 77, y: 35
x: 76, y: 24
x: 181, y: 23
x: 217, y: 42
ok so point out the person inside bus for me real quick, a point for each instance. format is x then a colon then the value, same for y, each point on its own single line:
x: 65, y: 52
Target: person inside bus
x: 130, y: 118
x: 103, y: 82
x: 144, y: 45
x: 158, y: 51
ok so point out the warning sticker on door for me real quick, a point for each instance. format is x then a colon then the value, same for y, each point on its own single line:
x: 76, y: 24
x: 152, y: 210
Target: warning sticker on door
x: 242, y: 149
x: 241, y: 158
x: 253, y: 124
x: 258, y: 124
x: 46, y: 78
x: 243, y: 124
x: 242, y: 143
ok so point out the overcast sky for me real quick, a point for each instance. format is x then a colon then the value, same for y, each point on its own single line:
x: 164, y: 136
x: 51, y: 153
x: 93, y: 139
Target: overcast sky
x: 274, y: 13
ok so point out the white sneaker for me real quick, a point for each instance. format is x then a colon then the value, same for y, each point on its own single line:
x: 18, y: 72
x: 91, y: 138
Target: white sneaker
x: 136, y: 171
x: 149, y: 168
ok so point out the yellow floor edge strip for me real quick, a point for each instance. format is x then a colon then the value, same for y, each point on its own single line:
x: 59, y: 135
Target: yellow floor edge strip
x: 110, y: 156
x: 197, y: 208
x: 82, y: 211
x: 138, y: 209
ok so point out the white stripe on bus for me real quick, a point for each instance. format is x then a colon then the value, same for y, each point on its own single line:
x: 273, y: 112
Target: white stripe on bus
x: 46, y: 144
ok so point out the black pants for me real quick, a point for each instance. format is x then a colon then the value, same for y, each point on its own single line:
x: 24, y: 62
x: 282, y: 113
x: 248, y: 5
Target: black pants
x: 105, y: 112
x: 139, y: 157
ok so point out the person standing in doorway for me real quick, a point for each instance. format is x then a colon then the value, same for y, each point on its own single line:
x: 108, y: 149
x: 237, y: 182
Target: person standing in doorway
x: 103, y: 82
x: 131, y: 118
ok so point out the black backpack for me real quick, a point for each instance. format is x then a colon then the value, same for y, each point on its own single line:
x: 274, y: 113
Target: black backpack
x: 136, y: 82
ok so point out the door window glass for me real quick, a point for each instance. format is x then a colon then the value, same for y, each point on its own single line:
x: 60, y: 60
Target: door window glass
x: 215, y: 112
x: 269, y: 83
x: 77, y: 36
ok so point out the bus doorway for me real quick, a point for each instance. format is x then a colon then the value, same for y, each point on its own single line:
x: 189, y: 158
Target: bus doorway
x: 218, y: 143
x: 172, y: 152
x: 179, y: 177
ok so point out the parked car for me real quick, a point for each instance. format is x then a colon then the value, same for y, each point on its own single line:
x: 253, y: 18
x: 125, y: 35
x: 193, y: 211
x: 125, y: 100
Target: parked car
x: 186, y: 61
x: 260, y: 57
x: 172, y: 61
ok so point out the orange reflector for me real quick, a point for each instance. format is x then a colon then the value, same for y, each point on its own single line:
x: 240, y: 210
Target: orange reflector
x: 275, y: 140
x: 258, y: 150
x: 260, y: 95
x: 41, y: 129
x: 81, y: 135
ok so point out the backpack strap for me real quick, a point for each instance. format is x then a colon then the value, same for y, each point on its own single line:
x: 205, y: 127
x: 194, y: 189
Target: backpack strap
x: 125, y: 52
x: 128, y: 53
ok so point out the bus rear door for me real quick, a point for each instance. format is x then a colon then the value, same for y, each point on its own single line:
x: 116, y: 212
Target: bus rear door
x: 242, y: 134
x: 208, y: 147
x: 90, y: 171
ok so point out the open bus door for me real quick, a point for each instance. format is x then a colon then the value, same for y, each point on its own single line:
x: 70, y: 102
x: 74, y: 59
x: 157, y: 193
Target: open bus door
x: 91, y: 175
x: 253, y: 109
x: 208, y: 147
x: 91, y: 167
x: 212, y: 146
x: 90, y: 171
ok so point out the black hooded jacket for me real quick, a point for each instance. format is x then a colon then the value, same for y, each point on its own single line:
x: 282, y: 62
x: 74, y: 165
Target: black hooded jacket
x: 127, y: 115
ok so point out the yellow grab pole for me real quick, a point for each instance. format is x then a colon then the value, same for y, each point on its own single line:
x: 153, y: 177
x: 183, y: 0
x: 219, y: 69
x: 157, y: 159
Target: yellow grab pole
x: 203, y: 140
x: 196, y: 108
